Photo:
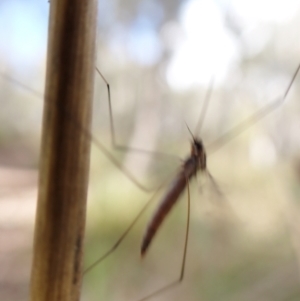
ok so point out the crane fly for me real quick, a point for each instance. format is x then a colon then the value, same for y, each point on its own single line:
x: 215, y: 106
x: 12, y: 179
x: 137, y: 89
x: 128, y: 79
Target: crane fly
x: 194, y: 163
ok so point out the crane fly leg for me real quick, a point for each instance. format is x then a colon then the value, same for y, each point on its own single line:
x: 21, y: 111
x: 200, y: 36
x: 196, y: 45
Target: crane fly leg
x: 182, y: 268
x: 126, y: 232
x: 117, y: 146
x: 252, y: 119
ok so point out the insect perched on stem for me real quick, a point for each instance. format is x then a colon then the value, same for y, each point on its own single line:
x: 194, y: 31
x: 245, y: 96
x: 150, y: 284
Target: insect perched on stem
x: 194, y: 163
x: 191, y: 166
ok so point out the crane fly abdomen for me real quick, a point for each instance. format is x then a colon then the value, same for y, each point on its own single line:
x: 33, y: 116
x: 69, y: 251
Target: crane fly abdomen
x: 189, y: 170
x: 167, y: 203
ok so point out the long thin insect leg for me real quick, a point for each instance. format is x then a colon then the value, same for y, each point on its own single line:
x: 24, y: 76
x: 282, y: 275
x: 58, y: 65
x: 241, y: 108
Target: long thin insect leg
x: 125, y: 233
x: 112, y: 129
x: 86, y: 132
x: 182, y: 269
x: 264, y: 111
x: 28, y: 89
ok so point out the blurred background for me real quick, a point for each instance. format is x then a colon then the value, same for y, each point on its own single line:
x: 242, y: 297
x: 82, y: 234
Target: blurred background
x: 159, y: 58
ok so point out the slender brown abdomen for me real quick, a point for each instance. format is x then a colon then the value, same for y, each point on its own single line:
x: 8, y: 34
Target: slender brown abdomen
x: 172, y: 196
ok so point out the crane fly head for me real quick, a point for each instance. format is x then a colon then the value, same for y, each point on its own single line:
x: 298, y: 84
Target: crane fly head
x: 198, y: 151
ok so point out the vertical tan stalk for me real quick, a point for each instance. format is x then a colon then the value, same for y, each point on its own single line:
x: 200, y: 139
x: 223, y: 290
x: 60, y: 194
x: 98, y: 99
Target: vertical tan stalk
x: 64, y: 163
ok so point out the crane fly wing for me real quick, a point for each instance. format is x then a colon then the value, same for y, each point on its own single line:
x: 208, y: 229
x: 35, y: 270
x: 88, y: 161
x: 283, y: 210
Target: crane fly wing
x: 222, y: 207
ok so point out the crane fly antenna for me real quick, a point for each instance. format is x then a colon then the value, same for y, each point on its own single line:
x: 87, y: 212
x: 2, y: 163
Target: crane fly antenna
x: 190, y: 131
x: 204, y: 107
x: 258, y: 115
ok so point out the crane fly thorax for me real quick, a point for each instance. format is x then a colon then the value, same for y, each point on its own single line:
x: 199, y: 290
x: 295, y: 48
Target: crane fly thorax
x: 198, y: 152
